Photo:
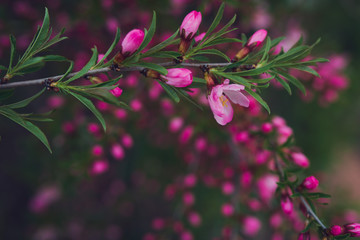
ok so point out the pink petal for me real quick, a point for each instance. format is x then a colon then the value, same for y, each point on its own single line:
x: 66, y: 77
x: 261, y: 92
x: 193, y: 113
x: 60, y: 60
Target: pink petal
x: 237, y: 98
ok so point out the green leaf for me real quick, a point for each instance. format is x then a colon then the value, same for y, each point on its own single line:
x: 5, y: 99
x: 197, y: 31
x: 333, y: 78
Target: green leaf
x: 86, y: 68
x: 31, y: 65
x: 316, y: 195
x: 258, y: 98
x: 111, y: 48
x: 12, y: 115
x: 252, y: 72
x: 54, y: 58
x: 214, y: 52
x: 234, y: 78
x: 170, y: 90
x: 342, y: 237
x: 153, y: 66
x: 166, y: 54
x: 307, y: 69
x: 148, y: 34
x: 283, y: 83
x: 3, y: 67
x: 12, y: 51
x: 68, y: 71
x: 293, y: 80
x: 160, y: 46
x: 215, y: 22
x: 25, y: 102
x: 91, y: 107
x: 267, y: 47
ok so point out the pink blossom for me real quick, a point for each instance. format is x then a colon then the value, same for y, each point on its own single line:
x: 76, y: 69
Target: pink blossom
x: 287, y: 205
x: 99, y: 167
x: 245, y: 179
x: 188, y: 198
x: 186, y: 236
x: 43, y: 198
x: 190, y: 25
x: 257, y: 38
x: 175, y: 124
x: 120, y: 113
x: 310, y: 183
x: 278, y: 122
x: 276, y: 220
x: 219, y: 102
x: 228, y: 188
x: 199, y: 37
x: 132, y: 42
x: 242, y: 137
x: 336, y: 230
x: 158, y: 223
x: 186, y: 134
x: 116, y: 92
x: 102, y: 106
x: 117, y: 151
x: 304, y: 236
x: 300, y: 159
x: 93, y: 128
x: 353, y: 229
x: 136, y: 105
x: 262, y: 156
x: 68, y: 127
x: 266, y: 128
x: 178, y: 77
x: 194, y: 219
x: 227, y: 209
x: 251, y: 225
x: 97, y: 150
x: 190, y: 180
x: 55, y: 101
x: 267, y: 186
x: 200, y: 144
x: 127, y: 141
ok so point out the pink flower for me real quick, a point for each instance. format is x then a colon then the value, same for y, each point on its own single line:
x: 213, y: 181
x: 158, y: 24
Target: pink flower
x: 287, y: 205
x: 227, y: 209
x: 190, y: 25
x: 132, y: 42
x: 257, y: 38
x: 251, y: 225
x: 97, y: 150
x: 266, y: 127
x: 310, y: 183
x: 353, y: 229
x: 336, y: 230
x: 188, y: 198
x: 194, y: 219
x: 178, y: 77
x: 117, y: 151
x: 300, y: 159
x: 267, y: 186
x: 175, y: 124
x: 219, y: 102
x: 199, y: 37
x: 116, y: 92
x: 99, y: 167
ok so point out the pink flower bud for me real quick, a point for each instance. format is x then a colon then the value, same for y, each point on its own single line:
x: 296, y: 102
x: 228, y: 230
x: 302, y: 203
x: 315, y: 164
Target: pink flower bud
x: 186, y: 134
x: 242, y: 137
x: 266, y: 128
x: 127, y: 141
x: 287, y: 205
x: 276, y: 220
x: 132, y: 42
x: 278, y: 122
x: 190, y: 25
x: 175, y: 124
x: 117, y: 151
x: 158, y: 223
x: 199, y: 37
x: 262, y: 156
x: 310, y: 183
x: 251, y: 225
x: 188, y: 198
x: 353, y: 229
x: 178, y: 77
x: 97, y: 150
x: 304, y: 236
x: 228, y: 188
x: 93, y: 128
x: 257, y: 38
x: 186, y: 236
x: 190, y: 180
x: 245, y: 179
x: 99, y: 167
x: 194, y: 219
x: 136, y: 105
x: 227, y: 210
x: 300, y: 159
x: 200, y: 144
x: 336, y: 230
x: 116, y: 92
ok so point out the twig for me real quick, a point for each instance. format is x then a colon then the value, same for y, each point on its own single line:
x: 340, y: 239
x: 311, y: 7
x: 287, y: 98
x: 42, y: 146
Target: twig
x: 302, y: 199
x: 42, y: 81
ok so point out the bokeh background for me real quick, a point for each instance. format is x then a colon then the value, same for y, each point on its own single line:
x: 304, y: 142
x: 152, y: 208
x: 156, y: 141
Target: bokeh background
x: 58, y: 196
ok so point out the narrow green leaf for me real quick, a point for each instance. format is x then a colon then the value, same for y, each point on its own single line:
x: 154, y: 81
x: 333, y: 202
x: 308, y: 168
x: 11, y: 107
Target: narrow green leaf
x: 12, y: 115
x: 293, y: 80
x: 86, y: 68
x: 12, y: 51
x: 149, y: 34
x: 215, y: 22
x: 25, y: 102
x: 283, y: 83
x: 31, y: 65
x: 170, y: 91
x: 68, y: 71
x: 160, y: 46
x: 214, y: 52
x: 153, y: 66
x: 166, y: 54
x: 232, y: 77
x: 267, y: 47
x: 111, y: 48
x: 91, y: 107
x: 54, y: 58
x: 307, y: 69
x: 258, y: 98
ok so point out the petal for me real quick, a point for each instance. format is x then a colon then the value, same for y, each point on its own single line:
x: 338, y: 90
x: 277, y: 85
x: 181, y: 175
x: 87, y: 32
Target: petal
x: 237, y: 98
x: 227, y: 114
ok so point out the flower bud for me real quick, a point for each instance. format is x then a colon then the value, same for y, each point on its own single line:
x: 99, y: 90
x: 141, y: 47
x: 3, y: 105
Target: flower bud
x: 227, y: 209
x: 116, y: 92
x: 353, y: 229
x: 257, y: 38
x: 300, y: 159
x: 132, y: 42
x: 286, y: 205
x: 336, y: 230
x: 310, y: 183
x: 190, y: 25
x: 304, y: 236
x: 178, y: 77
x: 251, y: 225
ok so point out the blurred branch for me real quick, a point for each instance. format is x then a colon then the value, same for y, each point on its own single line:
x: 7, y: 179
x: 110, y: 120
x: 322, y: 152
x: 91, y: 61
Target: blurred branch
x: 42, y: 81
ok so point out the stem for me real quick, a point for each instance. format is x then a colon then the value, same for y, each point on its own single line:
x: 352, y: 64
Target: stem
x: 302, y: 199
x: 41, y: 81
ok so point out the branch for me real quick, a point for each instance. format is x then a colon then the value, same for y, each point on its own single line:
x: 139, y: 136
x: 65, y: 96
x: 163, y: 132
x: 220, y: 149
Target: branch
x: 42, y: 81
x: 302, y: 199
